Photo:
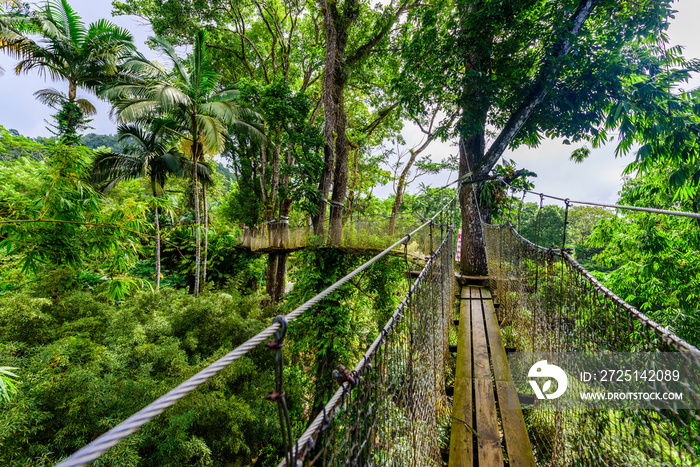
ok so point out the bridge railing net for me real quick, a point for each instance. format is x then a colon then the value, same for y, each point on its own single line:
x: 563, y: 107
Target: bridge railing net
x: 396, y: 412
x: 359, y: 232
x: 549, y: 303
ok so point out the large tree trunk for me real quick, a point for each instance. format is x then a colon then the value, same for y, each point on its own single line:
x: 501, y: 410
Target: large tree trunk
x: 475, y: 162
x: 340, y: 176
x: 276, y: 276
x: 473, y: 252
x: 329, y: 98
x: 157, y: 221
x: 338, y: 67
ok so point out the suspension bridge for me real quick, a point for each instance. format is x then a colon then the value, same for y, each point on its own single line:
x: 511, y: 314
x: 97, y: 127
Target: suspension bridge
x: 361, y: 232
x: 435, y: 386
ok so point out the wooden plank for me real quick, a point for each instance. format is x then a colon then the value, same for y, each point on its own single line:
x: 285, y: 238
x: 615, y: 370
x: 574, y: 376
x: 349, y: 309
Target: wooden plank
x: 489, y: 441
x: 517, y: 440
x: 490, y: 452
x: 461, y: 442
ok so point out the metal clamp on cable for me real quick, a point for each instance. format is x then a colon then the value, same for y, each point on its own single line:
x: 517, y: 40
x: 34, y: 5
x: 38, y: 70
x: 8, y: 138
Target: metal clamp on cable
x: 278, y: 341
x: 343, y: 375
x: 277, y: 394
x: 566, y: 222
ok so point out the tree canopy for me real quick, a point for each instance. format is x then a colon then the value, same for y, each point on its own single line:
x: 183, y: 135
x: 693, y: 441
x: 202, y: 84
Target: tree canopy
x: 130, y: 262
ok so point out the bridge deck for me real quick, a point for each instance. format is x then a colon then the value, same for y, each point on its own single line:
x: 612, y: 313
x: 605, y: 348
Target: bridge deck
x: 488, y: 428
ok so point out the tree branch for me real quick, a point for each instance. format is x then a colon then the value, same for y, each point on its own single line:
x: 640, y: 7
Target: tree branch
x: 539, y: 91
x: 367, y: 47
x: 383, y: 114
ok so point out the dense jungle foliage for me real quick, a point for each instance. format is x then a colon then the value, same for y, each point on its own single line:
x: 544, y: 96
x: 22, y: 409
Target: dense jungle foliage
x: 123, y: 268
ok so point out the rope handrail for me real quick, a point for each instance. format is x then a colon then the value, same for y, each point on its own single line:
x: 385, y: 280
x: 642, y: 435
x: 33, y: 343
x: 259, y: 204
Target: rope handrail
x: 667, y: 336
x: 104, y: 442
x: 305, y: 441
x: 667, y: 212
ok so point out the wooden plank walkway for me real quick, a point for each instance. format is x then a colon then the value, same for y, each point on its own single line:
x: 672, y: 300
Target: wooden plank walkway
x: 488, y: 428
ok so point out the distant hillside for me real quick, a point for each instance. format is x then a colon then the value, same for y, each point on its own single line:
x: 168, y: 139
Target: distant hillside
x: 95, y: 141
x: 223, y: 170
x: 13, y: 145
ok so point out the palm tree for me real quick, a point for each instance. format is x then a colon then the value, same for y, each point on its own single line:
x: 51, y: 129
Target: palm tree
x: 67, y: 50
x: 12, y: 18
x: 191, y: 99
x: 145, y: 155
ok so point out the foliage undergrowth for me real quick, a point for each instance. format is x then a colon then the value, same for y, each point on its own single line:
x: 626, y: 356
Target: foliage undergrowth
x: 86, y: 363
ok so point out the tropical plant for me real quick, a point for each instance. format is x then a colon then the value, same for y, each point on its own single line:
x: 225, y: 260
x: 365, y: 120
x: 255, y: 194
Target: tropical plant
x: 68, y: 50
x: 8, y: 383
x: 190, y: 98
x: 50, y: 216
x: 13, y: 15
x: 145, y: 154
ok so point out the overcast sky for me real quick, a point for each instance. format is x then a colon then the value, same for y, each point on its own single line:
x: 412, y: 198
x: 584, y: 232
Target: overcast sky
x: 596, y: 179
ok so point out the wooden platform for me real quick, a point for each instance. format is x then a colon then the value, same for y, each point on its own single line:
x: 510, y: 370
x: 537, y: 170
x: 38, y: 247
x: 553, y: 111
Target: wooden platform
x: 488, y: 428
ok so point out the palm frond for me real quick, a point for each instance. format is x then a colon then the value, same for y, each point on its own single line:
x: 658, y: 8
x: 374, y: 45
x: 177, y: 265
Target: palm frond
x: 169, y: 97
x: 109, y: 168
x: 197, y: 61
x: 68, y: 20
x: 142, y: 67
x: 178, y: 65
x: 86, y: 106
x: 226, y: 95
x: 211, y: 131
x: 254, y: 131
x: 109, y: 33
x: 205, y: 174
x: 131, y: 110
x: 51, y: 97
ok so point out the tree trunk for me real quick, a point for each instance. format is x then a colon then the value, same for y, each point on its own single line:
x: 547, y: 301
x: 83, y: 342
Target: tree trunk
x: 340, y: 176
x: 332, y: 68
x: 350, y: 200
x: 475, y: 162
x: 400, y: 190
x: 197, y: 220
x: 206, y: 234
x: 275, y: 185
x: 473, y: 252
x: 271, y: 276
x: 395, y: 208
x: 157, y: 248
x: 276, y: 275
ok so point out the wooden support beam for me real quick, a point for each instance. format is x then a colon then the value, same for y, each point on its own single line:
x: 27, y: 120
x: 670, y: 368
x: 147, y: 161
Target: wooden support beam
x: 461, y: 441
x: 484, y: 391
x: 471, y: 280
x: 490, y: 451
x: 517, y: 440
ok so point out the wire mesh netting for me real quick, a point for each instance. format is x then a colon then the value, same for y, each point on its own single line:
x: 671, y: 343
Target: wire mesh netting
x: 549, y: 303
x: 392, y: 409
x: 359, y: 232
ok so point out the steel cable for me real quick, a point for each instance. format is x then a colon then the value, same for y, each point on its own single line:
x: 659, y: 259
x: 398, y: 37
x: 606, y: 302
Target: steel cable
x: 667, y: 212
x: 100, y: 445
